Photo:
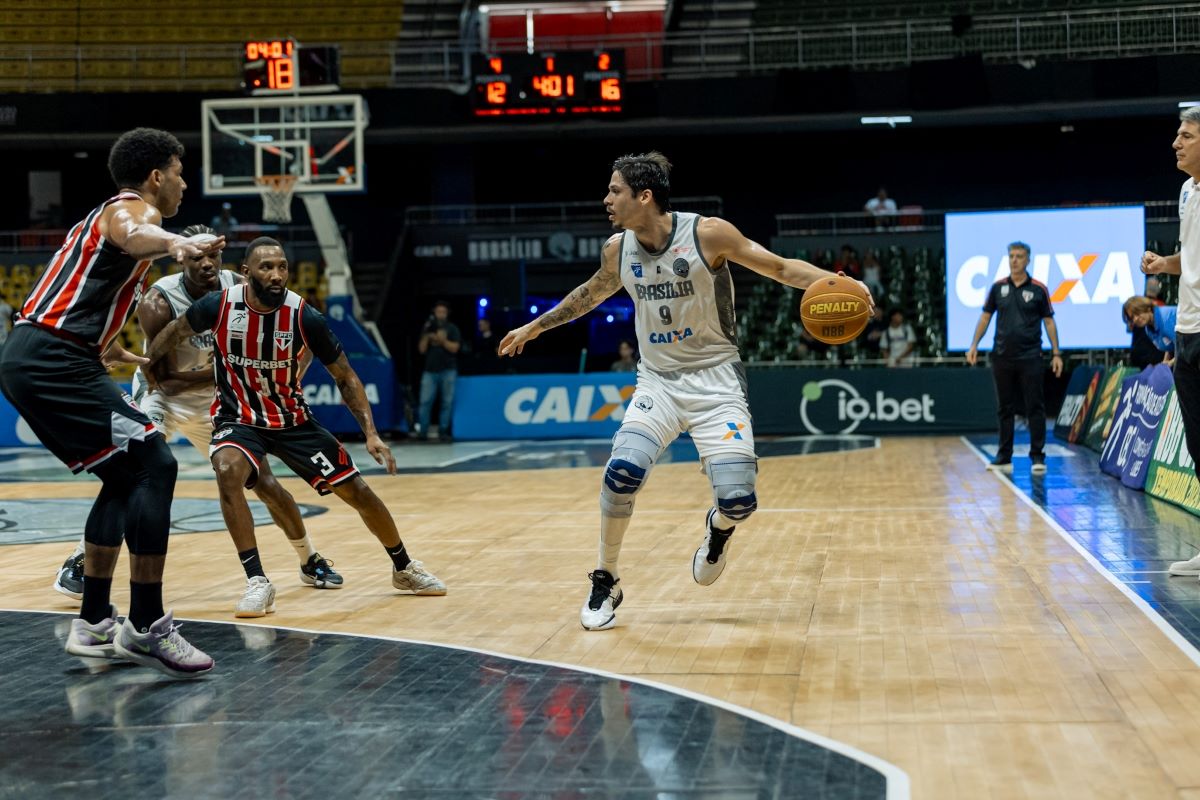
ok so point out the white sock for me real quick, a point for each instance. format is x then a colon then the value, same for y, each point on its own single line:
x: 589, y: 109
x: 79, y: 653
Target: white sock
x: 80, y: 547
x: 723, y: 523
x: 612, y: 533
x: 304, y: 548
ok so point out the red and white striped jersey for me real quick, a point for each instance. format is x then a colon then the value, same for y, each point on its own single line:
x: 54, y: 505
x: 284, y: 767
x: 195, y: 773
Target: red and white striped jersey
x: 90, y: 287
x: 258, y: 356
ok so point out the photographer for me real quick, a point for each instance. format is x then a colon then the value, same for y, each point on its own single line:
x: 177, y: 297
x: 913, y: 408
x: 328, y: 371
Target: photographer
x: 440, y: 341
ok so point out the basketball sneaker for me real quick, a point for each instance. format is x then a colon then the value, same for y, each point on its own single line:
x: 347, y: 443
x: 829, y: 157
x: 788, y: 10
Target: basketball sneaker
x: 69, y: 580
x: 416, y: 579
x: 318, y: 572
x: 163, y: 648
x: 599, y: 612
x: 94, y: 641
x: 258, y: 600
x: 1039, y: 465
x: 1189, y: 568
x: 709, y: 561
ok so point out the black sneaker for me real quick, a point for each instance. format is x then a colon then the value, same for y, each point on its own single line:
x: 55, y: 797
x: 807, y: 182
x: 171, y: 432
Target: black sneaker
x: 1000, y: 465
x: 599, y: 611
x: 70, y: 578
x: 318, y: 572
x: 1039, y: 465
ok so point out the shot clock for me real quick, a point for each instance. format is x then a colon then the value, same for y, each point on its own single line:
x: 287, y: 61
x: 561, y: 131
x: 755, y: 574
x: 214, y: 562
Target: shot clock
x: 548, y: 84
x: 284, y: 66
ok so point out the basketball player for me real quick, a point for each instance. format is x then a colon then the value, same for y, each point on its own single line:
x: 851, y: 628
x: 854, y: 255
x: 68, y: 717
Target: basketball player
x: 182, y: 401
x: 51, y: 370
x: 675, y: 266
x: 261, y: 332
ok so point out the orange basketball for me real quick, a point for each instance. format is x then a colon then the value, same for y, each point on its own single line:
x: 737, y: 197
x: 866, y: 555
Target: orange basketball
x: 835, y: 309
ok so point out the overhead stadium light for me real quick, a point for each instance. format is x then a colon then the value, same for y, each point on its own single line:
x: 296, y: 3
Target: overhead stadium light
x: 1188, y: 103
x: 891, y: 122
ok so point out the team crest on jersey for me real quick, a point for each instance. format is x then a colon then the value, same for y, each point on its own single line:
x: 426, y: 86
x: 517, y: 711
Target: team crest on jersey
x: 636, y: 266
x: 1027, y: 295
x: 681, y: 267
x: 221, y: 434
x: 283, y: 339
x: 1004, y: 291
x: 644, y: 403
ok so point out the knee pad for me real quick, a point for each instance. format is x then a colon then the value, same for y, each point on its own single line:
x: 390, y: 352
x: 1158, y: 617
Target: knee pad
x: 633, y: 455
x: 733, y: 479
x: 155, y: 458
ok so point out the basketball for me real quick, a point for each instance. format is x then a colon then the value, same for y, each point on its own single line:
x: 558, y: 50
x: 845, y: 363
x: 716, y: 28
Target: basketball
x: 835, y: 309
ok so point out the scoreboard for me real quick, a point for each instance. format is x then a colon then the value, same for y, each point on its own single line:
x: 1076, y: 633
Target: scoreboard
x: 548, y: 84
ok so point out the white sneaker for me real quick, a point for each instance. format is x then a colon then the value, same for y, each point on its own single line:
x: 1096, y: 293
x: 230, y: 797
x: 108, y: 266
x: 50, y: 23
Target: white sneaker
x: 418, y: 580
x: 1187, y: 568
x: 599, y: 612
x: 705, y: 571
x: 258, y: 599
x: 94, y: 641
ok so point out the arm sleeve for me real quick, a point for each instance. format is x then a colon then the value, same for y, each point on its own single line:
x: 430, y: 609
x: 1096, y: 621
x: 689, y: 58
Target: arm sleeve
x: 324, y: 345
x: 989, y: 305
x: 202, y: 314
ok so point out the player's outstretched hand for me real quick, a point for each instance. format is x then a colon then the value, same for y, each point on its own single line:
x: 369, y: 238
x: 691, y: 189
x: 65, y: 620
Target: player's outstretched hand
x: 114, y: 355
x: 514, y: 341
x: 382, y: 454
x: 195, y: 246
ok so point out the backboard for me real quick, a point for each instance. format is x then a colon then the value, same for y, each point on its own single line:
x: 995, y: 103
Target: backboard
x: 317, y: 138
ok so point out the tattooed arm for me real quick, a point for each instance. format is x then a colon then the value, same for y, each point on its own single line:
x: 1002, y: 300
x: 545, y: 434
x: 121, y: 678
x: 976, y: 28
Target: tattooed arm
x: 355, y: 395
x: 582, y: 299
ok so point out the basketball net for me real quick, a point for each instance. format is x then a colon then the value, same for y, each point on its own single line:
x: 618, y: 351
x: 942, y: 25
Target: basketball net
x: 276, y: 191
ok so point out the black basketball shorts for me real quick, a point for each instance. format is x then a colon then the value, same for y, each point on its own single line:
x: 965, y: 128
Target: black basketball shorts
x: 309, y: 450
x: 68, y: 399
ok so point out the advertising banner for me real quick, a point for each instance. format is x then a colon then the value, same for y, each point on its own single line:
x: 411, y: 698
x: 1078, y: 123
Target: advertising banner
x: 1085, y: 410
x: 1104, y: 406
x: 1130, y: 443
x: 1086, y: 257
x: 541, y: 406
x: 1077, y: 389
x: 1172, y: 475
x: 872, y: 401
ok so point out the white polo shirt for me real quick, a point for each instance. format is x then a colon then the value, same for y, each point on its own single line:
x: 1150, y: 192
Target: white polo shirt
x: 1188, y: 319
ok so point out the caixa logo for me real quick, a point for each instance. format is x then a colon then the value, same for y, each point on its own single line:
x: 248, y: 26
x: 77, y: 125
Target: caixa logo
x: 1063, y: 273
x: 835, y: 406
x: 326, y: 394
x: 531, y: 406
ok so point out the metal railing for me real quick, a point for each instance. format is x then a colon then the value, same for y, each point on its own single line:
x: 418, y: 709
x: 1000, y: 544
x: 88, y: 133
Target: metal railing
x: 1109, y: 32
x: 913, y: 219
x: 573, y: 212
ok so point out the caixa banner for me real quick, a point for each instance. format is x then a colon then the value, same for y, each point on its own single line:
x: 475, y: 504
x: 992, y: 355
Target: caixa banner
x: 541, y: 406
x: 874, y: 401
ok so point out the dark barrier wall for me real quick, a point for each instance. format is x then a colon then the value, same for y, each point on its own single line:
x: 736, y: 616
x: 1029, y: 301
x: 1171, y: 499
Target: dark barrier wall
x: 875, y: 401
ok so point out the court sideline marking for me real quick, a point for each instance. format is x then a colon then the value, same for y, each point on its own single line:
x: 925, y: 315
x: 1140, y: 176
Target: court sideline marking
x: 1159, y: 621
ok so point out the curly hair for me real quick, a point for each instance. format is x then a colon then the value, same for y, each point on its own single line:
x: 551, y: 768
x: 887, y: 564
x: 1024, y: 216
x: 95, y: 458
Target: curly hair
x: 196, y: 230
x: 647, y: 171
x: 138, y: 153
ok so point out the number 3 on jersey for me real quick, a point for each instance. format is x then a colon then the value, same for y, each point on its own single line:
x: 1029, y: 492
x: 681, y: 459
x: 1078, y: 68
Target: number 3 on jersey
x: 321, y: 461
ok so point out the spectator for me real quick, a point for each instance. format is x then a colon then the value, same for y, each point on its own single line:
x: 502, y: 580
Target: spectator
x: 872, y: 274
x: 882, y: 207
x: 440, y: 342
x: 847, y: 262
x: 874, y: 331
x: 898, y: 342
x: 628, y: 357
x: 225, y: 222
x: 1142, y: 352
x: 1156, y: 321
x: 1023, y: 306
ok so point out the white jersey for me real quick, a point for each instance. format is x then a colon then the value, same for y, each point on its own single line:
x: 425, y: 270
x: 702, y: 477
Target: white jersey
x: 195, y: 353
x: 1188, y: 317
x: 683, y: 307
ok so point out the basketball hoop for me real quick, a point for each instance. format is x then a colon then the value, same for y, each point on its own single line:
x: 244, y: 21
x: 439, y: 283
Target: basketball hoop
x: 276, y: 191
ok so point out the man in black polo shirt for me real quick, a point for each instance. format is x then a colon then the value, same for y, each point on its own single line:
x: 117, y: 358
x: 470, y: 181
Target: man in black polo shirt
x: 1023, y: 305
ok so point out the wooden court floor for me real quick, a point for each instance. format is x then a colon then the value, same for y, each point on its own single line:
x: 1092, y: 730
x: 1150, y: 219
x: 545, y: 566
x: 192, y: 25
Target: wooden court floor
x: 901, y: 600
